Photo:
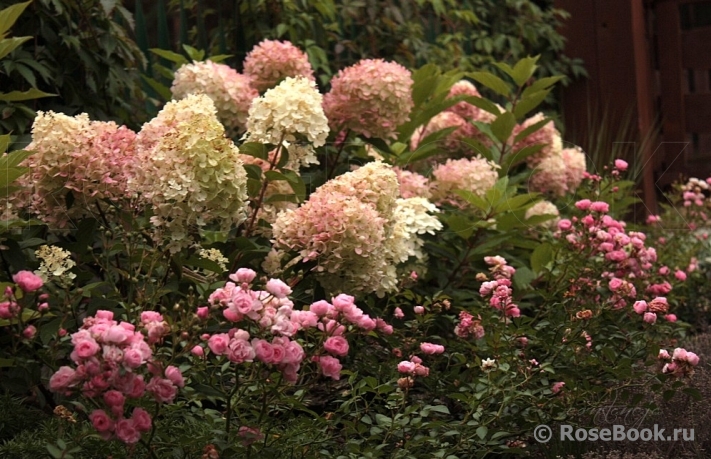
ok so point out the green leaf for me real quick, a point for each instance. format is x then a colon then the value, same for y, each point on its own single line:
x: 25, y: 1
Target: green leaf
x: 161, y: 89
x: 528, y: 103
x: 461, y: 226
x: 8, y: 45
x: 474, y: 199
x: 523, y: 277
x: 481, y: 432
x: 492, y: 82
x: 55, y: 452
x: 540, y: 84
x: 256, y: 149
x: 193, y: 53
x: 524, y: 70
x: 503, y: 125
x: 531, y: 129
x: 17, y: 96
x: 170, y: 55
x: 9, y: 15
x: 541, y: 256
x: 693, y: 392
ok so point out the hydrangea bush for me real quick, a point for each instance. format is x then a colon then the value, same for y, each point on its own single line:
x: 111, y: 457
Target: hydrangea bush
x: 396, y: 268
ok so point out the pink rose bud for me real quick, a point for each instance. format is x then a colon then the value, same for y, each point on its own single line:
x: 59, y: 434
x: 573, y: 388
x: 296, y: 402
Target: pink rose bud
x: 43, y: 307
x: 663, y: 355
x: 398, y: 313
x: 557, y: 387
x: 650, y: 317
x: 670, y: 317
x: 583, y: 204
x: 243, y: 275
x: 198, y: 351
x: 202, y: 312
x: 419, y: 310
x: 29, y: 332
x: 680, y: 275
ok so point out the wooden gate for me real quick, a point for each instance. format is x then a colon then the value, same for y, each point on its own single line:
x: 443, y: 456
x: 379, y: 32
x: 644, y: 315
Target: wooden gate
x: 683, y: 39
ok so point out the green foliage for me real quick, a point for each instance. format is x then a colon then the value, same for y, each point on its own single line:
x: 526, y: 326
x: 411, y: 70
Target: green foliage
x: 80, y: 51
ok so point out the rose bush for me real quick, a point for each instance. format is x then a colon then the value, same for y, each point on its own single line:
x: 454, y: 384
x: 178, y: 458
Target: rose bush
x: 382, y: 289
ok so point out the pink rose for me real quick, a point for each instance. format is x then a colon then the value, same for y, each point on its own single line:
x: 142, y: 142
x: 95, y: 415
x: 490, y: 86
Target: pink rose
x: 263, y: 350
x: 564, y: 224
x: 557, y: 387
x: 127, y: 432
x: 621, y: 165
x: 141, y: 419
x: 670, y: 317
x: 663, y: 355
x: 640, y: 306
x: 28, y: 281
x: 203, y: 312
x: 600, y: 206
x: 62, y: 379
x: 218, y: 343
x: 419, y: 310
x: 583, y: 204
x: 239, y: 351
x: 101, y: 421
x: 680, y: 275
x: 175, y: 376
x: 336, y: 345
x: 398, y: 314
x: 343, y: 302
x: 163, y: 390
x: 406, y: 367
x: 243, y: 275
x: 151, y: 316
x: 114, y: 398
x: 293, y: 353
x: 86, y: 348
x: 330, y: 367
x: 679, y: 354
x: 278, y: 288
x: 429, y: 348
x: 321, y: 308
x: 692, y: 358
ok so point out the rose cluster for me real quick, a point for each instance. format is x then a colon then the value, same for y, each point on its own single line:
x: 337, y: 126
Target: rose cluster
x: 113, y: 360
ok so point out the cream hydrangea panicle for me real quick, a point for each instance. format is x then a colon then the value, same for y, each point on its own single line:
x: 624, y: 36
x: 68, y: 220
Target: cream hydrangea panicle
x: 544, y: 208
x: 472, y: 174
x: 289, y: 111
x: 216, y: 256
x: 55, y: 264
x: 92, y: 160
x: 548, y: 136
x: 271, y: 61
x: 190, y: 172
x: 372, y: 98
x: 229, y: 90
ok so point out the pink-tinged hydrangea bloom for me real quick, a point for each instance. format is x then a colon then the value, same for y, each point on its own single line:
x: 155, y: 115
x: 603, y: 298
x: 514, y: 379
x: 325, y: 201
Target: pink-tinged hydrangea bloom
x: 412, y: 184
x: 550, y: 176
x: 271, y: 61
x: 544, y: 208
x: 464, y: 109
x: 229, y: 90
x: 289, y: 111
x: 28, y: 281
x: 190, y: 172
x: 372, y: 98
x: 548, y: 136
x: 471, y: 174
x: 357, y: 229
x: 92, y: 160
x: 452, y: 143
x: 575, y: 164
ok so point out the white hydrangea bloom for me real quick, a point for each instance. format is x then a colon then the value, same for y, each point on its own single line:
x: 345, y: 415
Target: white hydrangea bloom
x: 292, y: 108
x: 55, y: 263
